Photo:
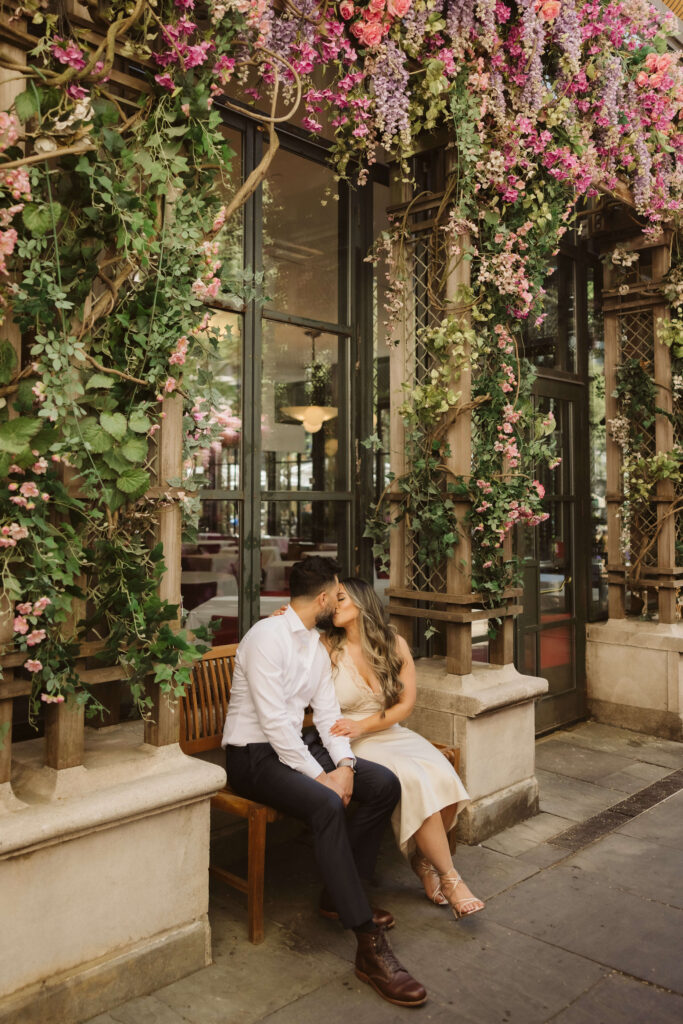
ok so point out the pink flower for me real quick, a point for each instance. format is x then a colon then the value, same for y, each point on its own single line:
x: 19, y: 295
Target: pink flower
x: 32, y: 665
x: 35, y: 637
x: 40, y: 605
x: 487, y: 565
x: 170, y: 385
x: 25, y: 609
x: 57, y: 698
x: 40, y: 466
x: 165, y: 81
x: 540, y: 489
x: 642, y: 79
x: 399, y: 8
x: 29, y: 489
x: 346, y: 9
x: 18, y: 500
x: 20, y: 625
x: 12, y: 486
x: 69, y: 54
x: 45, y: 496
x: 549, y: 9
x: 371, y: 34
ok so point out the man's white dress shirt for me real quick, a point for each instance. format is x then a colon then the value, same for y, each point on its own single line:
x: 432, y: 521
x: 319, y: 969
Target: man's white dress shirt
x: 280, y: 668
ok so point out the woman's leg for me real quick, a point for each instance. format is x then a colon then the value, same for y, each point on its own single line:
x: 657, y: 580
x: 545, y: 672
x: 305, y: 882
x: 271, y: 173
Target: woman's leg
x: 432, y: 843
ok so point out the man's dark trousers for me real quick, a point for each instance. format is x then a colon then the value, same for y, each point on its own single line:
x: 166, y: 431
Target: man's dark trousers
x: 345, y: 848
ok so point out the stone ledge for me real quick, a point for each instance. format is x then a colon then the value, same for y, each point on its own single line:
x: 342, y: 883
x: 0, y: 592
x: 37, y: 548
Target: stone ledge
x: 121, y: 780
x: 486, y: 688
x: 100, y: 985
x: 660, y: 636
x: 497, y: 811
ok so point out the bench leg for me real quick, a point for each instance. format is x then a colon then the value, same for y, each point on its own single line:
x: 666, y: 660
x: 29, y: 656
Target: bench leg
x: 255, y: 872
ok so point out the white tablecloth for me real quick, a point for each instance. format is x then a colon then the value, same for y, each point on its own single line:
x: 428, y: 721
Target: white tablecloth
x: 226, y: 607
x: 226, y: 584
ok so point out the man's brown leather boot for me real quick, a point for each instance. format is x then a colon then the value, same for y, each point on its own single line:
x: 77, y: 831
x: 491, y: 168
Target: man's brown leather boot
x: 377, y: 964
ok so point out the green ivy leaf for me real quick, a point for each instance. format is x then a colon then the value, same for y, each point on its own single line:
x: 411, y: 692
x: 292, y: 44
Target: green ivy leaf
x: 37, y: 218
x: 139, y: 422
x: 115, y: 424
x: 8, y: 361
x: 134, y: 449
x: 99, y: 380
x: 15, y: 435
x: 133, y: 482
x: 26, y: 105
x: 96, y: 439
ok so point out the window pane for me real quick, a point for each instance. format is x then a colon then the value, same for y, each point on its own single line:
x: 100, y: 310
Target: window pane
x: 231, y: 252
x: 301, y: 410
x: 210, y: 571
x: 301, y: 238
x: 220, y: 367
x: 291, y: 530
x: 556, y: 647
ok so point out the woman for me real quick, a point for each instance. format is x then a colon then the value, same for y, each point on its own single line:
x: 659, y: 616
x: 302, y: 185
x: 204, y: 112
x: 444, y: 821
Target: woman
x: 374, y: 677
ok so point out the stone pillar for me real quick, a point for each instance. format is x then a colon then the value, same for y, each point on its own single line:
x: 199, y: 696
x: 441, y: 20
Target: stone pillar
x: 489, y: 715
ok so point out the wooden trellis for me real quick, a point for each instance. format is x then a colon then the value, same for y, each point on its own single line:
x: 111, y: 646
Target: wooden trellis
x: 445, y: 594
x: 631, y: 332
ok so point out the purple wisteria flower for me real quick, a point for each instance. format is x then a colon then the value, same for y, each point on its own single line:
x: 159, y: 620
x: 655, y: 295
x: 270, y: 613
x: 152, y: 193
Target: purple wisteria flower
x: 392, y: 96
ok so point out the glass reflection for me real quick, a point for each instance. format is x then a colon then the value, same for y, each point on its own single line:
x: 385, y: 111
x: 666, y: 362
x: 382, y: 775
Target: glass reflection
x: 301, y: 409
x: 550, y: 341
x: 301, y: 238
x: 291, y: 530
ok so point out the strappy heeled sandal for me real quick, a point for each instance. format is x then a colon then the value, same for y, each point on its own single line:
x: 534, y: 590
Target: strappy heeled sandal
x: 429, y: 877
x: 466, y: 905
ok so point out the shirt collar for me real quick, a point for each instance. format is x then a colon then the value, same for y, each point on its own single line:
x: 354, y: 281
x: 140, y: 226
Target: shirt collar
x: 295, y: 623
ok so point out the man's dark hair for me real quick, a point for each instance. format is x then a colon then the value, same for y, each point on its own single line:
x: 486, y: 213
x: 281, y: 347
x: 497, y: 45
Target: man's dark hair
x: 312, y: 575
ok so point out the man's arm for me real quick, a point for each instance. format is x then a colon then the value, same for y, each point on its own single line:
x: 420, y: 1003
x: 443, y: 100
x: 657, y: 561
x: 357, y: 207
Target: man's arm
x: 263, y: 666
x: 326, y: 709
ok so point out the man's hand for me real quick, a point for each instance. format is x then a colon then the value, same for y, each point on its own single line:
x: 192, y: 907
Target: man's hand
x: 340, y: 781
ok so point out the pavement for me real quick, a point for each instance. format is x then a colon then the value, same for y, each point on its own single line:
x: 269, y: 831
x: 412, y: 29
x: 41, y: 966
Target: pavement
x: 583, y: 921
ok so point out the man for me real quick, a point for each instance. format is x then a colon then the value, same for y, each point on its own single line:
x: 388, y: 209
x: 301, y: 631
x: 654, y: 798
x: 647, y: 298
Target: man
x: 282, y: 667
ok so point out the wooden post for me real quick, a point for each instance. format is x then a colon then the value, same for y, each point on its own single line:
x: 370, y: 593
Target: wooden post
x: 459, y: 568
x: 401, y: 369
x: 5, y: 736
x: 616, y: 589
x: 664, y: 437
x: 162, y: 727
x: 64, y: 734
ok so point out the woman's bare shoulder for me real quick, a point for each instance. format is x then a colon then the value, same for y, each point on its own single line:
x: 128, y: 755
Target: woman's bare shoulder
x: 402, y: 647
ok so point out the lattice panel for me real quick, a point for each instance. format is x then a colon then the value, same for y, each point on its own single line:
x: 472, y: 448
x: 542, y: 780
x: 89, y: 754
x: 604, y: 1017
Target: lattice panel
x: 637, y: 342
x: 427, y: 302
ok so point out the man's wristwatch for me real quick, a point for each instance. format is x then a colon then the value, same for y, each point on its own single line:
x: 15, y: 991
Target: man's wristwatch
x: 347, y: 762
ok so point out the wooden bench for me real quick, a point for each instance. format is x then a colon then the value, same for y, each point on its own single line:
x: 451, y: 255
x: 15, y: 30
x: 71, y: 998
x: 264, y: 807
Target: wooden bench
x: 202, y: 717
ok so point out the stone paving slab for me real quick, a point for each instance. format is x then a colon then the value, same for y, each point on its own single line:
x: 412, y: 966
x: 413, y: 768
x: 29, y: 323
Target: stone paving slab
x: 620, y: 1000
x: 578, y: 761
x: 662, y: 824
x: 248, y: 982
x: 527, y: 835
x: 647, y: 869
x: 573, y: 798
x: 147, y: 1010
x: 625, y: 742
x: 580, y: 912
x: 633, y: 778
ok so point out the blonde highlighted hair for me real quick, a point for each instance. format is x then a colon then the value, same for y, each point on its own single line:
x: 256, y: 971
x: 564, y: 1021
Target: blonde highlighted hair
x: 377, y: 639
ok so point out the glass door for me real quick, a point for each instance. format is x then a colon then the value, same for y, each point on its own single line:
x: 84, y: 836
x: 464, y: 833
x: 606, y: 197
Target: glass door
x: 551, y: 630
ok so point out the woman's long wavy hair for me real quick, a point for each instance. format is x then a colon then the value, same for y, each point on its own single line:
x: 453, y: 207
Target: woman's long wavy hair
x: 377, y: 639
